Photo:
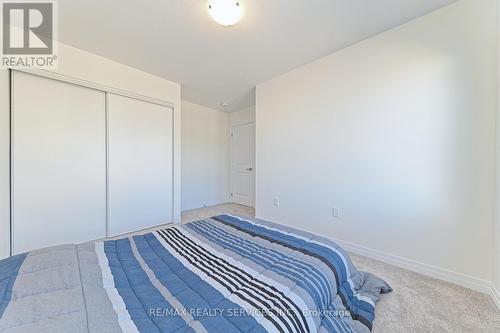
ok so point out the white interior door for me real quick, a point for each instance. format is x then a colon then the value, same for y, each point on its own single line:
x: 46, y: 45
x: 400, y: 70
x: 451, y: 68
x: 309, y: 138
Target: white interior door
x: 243, y: 164
x: 140, y: 164
x: 58, y: 163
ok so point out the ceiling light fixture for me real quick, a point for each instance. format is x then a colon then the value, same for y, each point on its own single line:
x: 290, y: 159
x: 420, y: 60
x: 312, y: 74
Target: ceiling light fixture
x: 225, y: 12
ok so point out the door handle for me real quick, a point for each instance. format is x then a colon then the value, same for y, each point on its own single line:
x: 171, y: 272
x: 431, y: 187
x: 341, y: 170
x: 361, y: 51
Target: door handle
x: 249, y: 169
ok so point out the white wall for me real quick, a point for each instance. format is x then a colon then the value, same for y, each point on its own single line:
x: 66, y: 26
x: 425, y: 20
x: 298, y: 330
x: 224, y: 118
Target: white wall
x: 4, y: 165
x: 397, y: 131
x: 205, y: 156
x: 95, y: 69
x: 496, y: 231
x: 243, y: 116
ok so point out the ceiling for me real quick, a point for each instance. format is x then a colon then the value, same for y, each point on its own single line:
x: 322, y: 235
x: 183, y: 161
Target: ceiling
x: 177, y: 40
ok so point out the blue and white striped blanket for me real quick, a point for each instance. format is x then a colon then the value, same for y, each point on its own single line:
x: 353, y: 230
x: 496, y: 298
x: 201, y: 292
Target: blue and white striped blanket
x: 223, y: 274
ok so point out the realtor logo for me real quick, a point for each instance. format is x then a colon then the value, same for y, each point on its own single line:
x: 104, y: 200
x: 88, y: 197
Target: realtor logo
x: 28, y: 30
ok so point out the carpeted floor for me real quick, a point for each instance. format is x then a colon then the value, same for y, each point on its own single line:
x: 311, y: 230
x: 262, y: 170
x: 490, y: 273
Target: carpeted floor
x: 422, y: 304
x: 418, y: 304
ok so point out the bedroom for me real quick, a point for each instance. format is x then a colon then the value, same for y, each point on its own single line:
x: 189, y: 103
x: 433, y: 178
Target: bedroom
x: 250, y: 166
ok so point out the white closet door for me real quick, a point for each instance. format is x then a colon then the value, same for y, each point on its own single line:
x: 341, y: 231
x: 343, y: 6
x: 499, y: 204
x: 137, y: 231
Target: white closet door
x: 4, y: 164
x: 140, y: 168
x: 58, y: 163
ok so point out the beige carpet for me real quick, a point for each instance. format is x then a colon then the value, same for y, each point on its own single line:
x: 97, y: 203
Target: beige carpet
x: 418, y: 304
x: 422, y: 304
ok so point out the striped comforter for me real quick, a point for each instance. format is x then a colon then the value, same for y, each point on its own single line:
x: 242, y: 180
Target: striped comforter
x: 223, y: 274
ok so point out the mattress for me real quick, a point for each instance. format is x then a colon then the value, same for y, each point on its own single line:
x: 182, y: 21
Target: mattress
x: 221, y: 274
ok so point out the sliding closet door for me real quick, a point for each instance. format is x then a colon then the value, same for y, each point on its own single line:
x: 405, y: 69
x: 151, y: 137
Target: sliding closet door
x: 4, y: 165
x: 58, y: 163
x: 140, y: 156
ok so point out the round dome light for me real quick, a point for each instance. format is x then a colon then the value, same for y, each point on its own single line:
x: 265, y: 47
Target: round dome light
x: 225, y: 12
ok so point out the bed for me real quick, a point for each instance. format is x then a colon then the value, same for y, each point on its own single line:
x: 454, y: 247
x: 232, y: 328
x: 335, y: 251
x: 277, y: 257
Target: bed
x: 221, y: 274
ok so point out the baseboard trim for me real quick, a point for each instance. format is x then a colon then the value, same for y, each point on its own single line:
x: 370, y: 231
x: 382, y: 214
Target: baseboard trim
x: 198, y: 205
x: 466, y: 281
x: 460, y: 279
x: 495, y: 295
x: 463, y: 280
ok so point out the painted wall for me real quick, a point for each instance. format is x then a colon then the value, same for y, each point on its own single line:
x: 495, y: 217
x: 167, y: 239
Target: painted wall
x: 86, y: 66
x: 205, y: 156
x: 397, y: 131
x: 496, y: 230
x: 242, y: 116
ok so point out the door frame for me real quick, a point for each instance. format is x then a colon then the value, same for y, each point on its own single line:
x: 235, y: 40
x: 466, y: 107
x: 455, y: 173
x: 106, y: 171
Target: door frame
x: 231, y: 147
